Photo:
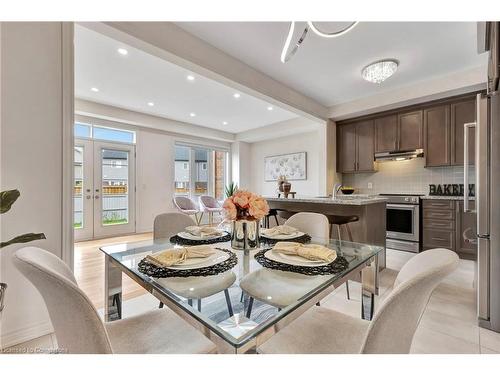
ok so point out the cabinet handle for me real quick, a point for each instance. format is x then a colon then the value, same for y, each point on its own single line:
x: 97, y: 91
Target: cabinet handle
x: 438, y: 239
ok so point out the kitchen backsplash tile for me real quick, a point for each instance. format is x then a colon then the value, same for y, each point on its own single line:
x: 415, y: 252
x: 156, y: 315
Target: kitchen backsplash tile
x: 408, y: 176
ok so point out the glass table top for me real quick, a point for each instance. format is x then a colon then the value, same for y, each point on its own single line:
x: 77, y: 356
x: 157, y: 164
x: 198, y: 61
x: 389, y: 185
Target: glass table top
x: 272, y: 294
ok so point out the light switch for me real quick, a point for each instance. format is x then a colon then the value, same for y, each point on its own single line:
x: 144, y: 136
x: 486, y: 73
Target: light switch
x: 370, y: 185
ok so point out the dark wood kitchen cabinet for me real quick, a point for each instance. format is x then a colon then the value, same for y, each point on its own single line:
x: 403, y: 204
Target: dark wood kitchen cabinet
x: 444, y: 224
x: 410, y: 131
x: 462, y: 113
x: 386, y: 133
x: 355, y: 145
x: 437, y: 136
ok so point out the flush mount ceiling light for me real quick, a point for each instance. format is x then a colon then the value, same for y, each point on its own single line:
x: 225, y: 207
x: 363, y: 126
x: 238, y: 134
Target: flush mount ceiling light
x: 94, y: 89
x: 287, y: 52
x: 151, y: 104
x: 379, y: 71
x: 270, y: 108
x: 236, y: 95
x: 190, y: 77
x: 224, y: 122
x: 192, y: 114
x: 122, y: 51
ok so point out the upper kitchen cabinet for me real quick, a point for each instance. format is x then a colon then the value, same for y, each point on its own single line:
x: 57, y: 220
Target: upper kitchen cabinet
x: 462, y: 113
x: 410, y: 129
x: 437, y: 136
x: 356, y: 147
x: 386, y: 133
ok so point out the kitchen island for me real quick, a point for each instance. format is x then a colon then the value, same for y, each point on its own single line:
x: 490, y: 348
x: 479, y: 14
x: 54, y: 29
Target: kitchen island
x: 371, y: 227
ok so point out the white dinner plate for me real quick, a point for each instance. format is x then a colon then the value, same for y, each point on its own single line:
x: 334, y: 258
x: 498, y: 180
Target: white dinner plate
x: 293, y: 260
x: 189, y: 236
x: 284, y: 236
x: 192, y: 263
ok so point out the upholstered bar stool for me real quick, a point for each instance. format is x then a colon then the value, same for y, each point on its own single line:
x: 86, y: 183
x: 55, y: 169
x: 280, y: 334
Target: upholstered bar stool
x: 340, y: 220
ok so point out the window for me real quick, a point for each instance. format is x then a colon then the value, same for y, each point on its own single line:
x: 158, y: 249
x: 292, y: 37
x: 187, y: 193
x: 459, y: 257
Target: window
x: 103, y: 133
x: 200, y: 171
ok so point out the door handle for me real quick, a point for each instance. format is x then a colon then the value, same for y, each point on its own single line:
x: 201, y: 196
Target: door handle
x: 466, y: 164
x: 96, y: 196
x: 88, y: 196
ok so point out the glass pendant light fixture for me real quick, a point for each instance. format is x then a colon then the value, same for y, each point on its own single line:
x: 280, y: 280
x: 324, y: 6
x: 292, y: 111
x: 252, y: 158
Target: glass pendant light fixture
x: 379, y: 71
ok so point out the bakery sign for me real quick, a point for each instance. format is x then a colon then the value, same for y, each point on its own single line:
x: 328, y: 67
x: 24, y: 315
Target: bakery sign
x: 452, y: 190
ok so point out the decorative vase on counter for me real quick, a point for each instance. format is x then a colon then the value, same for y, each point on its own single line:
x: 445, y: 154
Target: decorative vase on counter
x: 287, y: 187
x: 245, y: 210
x: 245, y: 234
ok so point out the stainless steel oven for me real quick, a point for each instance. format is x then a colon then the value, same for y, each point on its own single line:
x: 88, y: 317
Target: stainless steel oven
x: 403, y: 222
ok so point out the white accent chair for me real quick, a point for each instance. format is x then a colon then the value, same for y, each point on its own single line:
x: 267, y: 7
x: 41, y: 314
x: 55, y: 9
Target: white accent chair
x: 186, y: 206
x: 391, y: 331
x: 210, y: 205
x: 169, y: 224
x: 314, y: 224
x: 286, y: 287
x: 78, y: 327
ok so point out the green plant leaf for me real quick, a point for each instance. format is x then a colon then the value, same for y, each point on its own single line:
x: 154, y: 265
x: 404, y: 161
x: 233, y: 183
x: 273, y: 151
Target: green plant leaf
x: 7, y: 199
x: 231, y: 189
x: 23, y: 238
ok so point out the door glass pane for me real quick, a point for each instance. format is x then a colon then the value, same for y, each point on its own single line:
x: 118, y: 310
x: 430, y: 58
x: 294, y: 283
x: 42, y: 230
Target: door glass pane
x: 78, y: 188
x: 115, y: 172
x: 201, y: 171
x: 182, y: 170
x: 110, y: 134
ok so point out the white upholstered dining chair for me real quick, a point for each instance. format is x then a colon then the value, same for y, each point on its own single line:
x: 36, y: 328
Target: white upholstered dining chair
x: 169, y: 224
x: 322, y: 330
x: 78, y: 327
x: 314, y: 224
x: 186, y: 206
x: 210, y: 205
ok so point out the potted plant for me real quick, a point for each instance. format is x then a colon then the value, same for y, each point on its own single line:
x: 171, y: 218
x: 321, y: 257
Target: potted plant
x: 245, y: 210
x: 7, y: 199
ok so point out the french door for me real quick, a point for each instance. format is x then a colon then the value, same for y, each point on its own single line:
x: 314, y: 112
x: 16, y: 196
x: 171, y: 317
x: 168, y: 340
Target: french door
x: 104, y: 189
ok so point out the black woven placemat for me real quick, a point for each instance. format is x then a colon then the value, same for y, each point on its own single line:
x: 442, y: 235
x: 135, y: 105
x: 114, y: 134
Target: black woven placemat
x: 184, y: 241
x: 154, y: 271
x: 338, y: 265
x: 305, y: 238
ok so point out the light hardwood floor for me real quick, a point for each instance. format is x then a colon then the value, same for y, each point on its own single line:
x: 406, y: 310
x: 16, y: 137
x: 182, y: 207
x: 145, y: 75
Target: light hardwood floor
x: 448, y: 325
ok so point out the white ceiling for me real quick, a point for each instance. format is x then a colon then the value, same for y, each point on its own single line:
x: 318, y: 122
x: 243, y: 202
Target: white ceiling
x: 328, y: 70
x: 133, y: 80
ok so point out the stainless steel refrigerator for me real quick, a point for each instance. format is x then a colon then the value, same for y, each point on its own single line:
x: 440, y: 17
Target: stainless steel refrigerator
x: 487, y: 180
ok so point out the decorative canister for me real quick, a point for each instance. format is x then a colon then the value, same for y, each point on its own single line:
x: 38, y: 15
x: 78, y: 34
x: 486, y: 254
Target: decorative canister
x: 245, y: 234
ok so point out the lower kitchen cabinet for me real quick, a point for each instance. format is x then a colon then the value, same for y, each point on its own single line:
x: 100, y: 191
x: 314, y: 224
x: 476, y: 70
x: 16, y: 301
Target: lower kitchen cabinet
x: 444, y: 225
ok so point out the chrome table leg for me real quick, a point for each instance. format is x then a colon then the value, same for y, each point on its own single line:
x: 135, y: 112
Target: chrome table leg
x: 369, y: 280
x: 228, y: 301
x: 112, y: 290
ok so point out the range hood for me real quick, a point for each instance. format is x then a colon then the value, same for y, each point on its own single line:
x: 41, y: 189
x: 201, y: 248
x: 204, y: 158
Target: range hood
x: 399, y: 155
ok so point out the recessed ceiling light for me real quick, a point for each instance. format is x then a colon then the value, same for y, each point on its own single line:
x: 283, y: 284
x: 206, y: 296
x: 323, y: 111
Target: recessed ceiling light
x: 236, y: 95
x: 270, y: 108
x: 94, y: 89
x: 224, y: 122
x: 151, y: 104
x: 190, y: 77
x: 122, y: 51
x: 192, y: 114
x: 379, y: 71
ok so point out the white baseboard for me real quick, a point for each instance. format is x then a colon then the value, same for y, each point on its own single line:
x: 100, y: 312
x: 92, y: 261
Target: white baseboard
x: 25, y: 334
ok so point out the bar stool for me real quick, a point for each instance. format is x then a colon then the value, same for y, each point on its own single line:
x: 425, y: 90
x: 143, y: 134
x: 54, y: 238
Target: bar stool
x: 272, y: 213
x: 340, y: 220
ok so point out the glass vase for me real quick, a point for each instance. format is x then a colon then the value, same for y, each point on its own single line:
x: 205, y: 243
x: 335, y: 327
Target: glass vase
x: 245, y: 234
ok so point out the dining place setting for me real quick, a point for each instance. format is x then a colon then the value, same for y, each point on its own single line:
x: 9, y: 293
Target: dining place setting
x: 199, y: 235
x: 283, y: 233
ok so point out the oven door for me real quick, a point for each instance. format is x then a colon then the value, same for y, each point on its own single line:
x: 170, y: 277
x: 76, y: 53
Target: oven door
x: 403, y: 222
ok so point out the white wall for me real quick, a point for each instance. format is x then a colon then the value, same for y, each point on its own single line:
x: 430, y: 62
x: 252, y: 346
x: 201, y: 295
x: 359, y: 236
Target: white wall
x: 31, y: 161
x: 312, y: 142
x: 241, y: 164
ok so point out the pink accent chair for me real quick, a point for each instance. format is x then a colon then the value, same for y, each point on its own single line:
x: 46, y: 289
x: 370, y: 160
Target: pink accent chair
x: 188, y: 207
x: 210, y: 205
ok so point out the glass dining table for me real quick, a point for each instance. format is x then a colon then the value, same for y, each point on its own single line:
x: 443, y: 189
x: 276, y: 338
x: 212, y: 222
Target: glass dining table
x: 241, y: 307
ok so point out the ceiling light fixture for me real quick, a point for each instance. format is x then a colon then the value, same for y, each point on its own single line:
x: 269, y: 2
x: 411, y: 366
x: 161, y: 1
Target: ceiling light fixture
x: 270, y: 108
x: 94, y: 89
x: 236, y: 95
x: 192, y: 114
x: 122, y: 51
x: 287, y: 53
x: 190, y: 77
x: 151, y: 104
x: 224, y: 122
x: 379, y: 71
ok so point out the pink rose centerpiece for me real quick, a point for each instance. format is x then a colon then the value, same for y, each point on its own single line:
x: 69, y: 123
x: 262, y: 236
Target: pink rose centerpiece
x: 245, y: 209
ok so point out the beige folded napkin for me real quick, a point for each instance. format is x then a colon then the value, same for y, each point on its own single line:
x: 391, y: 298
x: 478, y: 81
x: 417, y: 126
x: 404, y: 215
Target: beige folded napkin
x: 279, y: 230
x: 203, y: 231
x: 309, y: 251
x: 175, y: 256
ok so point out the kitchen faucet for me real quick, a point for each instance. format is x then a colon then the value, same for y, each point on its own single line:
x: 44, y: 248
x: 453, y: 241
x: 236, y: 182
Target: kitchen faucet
x: 336, y: 189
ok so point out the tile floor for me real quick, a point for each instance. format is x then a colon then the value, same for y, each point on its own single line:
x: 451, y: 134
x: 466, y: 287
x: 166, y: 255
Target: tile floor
x: 448, y: 325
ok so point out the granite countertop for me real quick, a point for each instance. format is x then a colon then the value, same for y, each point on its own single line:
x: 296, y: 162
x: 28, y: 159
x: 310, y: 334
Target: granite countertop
x: 444, y: 197
x: 354, y: 200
